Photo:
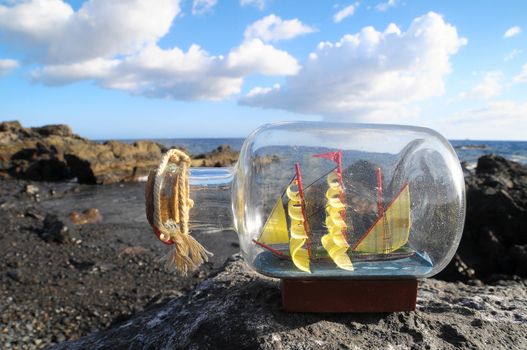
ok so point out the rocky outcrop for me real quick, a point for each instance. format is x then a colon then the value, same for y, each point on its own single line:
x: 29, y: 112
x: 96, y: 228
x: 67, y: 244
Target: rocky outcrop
x: 222, y: 156
x: 55, y: 153
x: 494, y: 243
x: 238, y: 309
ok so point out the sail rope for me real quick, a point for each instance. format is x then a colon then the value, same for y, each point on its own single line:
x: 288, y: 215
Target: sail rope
x: 172, y: 226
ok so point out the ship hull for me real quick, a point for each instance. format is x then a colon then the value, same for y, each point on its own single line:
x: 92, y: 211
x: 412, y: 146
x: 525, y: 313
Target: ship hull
x: 282, y: 251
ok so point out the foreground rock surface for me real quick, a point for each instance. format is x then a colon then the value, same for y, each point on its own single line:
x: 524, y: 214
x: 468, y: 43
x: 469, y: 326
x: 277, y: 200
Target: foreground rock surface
x: 238, y: 309
x: 60, y: 280
x: 494, y: 242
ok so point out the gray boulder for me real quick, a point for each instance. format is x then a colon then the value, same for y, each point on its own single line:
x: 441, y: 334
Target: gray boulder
x: 239, y: 309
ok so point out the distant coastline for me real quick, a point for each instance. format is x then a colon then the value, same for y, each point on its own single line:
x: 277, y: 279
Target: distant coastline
x: 467, y: 150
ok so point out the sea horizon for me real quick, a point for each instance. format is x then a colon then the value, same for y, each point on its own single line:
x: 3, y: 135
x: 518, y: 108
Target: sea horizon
x: 468, y: 150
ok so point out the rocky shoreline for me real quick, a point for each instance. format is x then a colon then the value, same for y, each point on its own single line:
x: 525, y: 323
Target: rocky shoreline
x: 55, y: 153
x: 81, y: 261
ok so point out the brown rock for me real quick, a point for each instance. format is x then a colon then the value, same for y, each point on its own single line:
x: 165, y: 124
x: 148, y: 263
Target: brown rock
x: 88, y: 216
x: 58, y: 130
x: 222, y: 156
x: 54, y: 153
x: 131, y: 251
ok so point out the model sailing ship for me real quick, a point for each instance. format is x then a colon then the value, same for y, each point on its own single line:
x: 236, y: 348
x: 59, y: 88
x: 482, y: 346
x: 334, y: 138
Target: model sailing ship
x: 384, y: 240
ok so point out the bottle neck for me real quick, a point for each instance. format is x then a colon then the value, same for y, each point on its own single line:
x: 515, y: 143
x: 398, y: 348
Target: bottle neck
x: 211, y: 177
x: 210, y: 189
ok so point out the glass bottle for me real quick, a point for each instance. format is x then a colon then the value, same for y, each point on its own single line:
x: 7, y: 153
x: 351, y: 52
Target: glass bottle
x: 337, y: 200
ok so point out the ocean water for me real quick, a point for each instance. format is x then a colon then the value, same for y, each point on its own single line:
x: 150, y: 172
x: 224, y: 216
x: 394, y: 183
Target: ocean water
x: 467, y: 150
x: 471, y: 150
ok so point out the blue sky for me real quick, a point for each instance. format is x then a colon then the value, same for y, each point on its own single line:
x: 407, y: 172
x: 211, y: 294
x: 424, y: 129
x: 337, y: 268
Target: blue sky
x: 206, y: 68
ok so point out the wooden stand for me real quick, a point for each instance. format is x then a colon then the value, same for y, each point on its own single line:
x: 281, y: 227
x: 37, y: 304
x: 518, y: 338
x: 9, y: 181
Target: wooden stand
x: 368, y: 295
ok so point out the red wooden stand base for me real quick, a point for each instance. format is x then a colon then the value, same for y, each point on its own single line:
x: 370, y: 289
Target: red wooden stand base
x: 349, y: 295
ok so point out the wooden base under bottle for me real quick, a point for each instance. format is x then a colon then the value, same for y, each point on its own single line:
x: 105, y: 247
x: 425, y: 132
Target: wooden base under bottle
x: 366, y: 295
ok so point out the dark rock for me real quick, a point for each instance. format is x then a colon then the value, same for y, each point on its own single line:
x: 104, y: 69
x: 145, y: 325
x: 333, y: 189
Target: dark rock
x: 518, y: 254
x: 81, y: 264
x: 239, y: 309
x: 55, y: 230
x: 35, y: 213
x: 496, y: 224
x: 14, y: 274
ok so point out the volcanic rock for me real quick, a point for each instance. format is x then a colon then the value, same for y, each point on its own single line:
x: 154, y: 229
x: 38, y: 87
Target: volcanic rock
x: 239, y: 309
x: 495, y: 235
x: 55, y: 153
x: 55, y: 230
x: 222, y: 156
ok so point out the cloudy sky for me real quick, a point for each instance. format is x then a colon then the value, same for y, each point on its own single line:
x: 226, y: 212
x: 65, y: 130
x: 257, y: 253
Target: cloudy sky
x: 218, y: 68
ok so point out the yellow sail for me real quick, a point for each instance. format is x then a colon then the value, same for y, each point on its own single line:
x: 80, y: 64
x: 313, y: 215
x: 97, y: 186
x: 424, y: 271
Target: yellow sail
x: 390, y: 232
x: 299, y: 254
x: 334, y: 241
x: 275, y: 229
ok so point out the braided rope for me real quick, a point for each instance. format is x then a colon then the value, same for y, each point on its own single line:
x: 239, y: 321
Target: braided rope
x: 171, y: 222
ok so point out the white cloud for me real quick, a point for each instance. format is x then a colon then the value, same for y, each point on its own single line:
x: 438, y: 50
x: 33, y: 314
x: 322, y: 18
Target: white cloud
x: 383, y: 6
x: 522, y: 77
x: 7, y: 65
x: 345, y: 12
x: 497, y: 120
x: 200, y: 7
x: 273, y: 28
x: 512, y: 55
x: 512, y: 31
x: 371, y: 75
x: 255, y: 56
x: 175, y: 74
x: 51, y: 31
x: 260, y: 4
x: 489, y: 87
x: 115, y: 45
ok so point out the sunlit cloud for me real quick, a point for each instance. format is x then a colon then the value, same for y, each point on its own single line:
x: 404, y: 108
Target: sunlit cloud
x: 50, y: 31
x: 370, y: 75
x: 490, y: 86
x: 384, y: 6
x: 512, y: 32
x: 115, y: 45
x: 345, y: 12
x: 200, y: 7
x: 512, y: 55
x: 522, y: 77
x: 273, y: 28
x: 496, y: 120
x: 8, y: 65
x: 260, y: 4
